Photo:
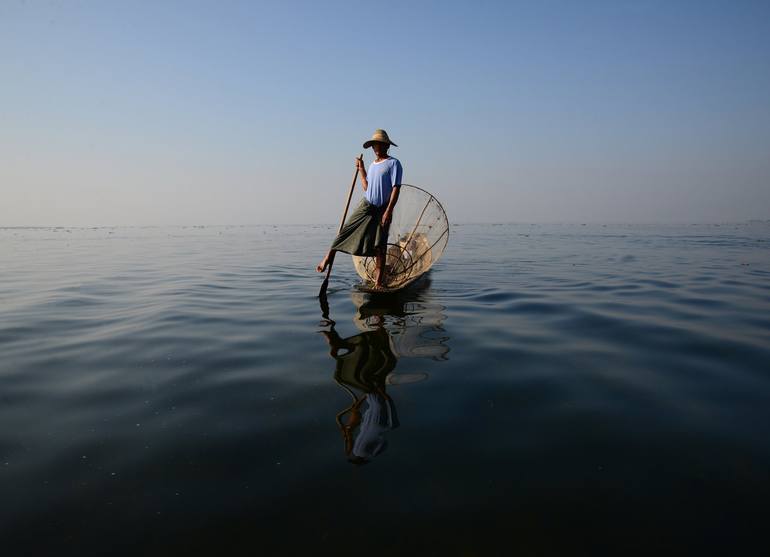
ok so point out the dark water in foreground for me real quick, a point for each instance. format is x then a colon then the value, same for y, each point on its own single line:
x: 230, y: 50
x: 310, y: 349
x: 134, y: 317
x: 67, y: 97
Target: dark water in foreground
x: 550, y: 390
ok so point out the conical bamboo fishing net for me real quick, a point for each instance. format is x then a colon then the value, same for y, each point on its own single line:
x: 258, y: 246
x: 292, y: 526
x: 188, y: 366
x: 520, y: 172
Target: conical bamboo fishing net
x: 418, y: 234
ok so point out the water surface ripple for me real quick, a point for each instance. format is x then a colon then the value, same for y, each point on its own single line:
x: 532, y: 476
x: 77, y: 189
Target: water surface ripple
x: 547, y: 390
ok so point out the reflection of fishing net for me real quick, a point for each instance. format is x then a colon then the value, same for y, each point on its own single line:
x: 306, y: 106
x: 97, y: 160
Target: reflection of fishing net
x: 418, y: 234
x: 414, y: 325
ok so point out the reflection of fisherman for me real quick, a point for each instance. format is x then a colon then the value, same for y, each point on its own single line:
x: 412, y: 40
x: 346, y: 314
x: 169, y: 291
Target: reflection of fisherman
x: 364, y: 366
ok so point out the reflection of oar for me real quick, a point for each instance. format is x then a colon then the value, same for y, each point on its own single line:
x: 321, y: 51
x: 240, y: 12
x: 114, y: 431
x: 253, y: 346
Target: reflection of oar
x: 325, y: 283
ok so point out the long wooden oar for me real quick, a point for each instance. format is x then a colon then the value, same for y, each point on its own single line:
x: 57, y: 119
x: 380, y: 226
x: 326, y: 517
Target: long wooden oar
x: 325, y: 283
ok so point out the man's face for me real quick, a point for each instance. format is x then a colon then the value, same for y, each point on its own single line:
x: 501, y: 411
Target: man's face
x: 380, y: 149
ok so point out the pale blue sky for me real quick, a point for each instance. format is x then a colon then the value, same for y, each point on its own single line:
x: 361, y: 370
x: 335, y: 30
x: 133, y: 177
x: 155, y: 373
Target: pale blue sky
x: 251, y: 112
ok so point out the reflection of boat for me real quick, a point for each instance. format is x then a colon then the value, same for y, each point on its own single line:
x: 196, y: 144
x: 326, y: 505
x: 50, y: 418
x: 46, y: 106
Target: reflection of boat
x: 413, y: 320
x: 417, y: 236
x: 406, y: 324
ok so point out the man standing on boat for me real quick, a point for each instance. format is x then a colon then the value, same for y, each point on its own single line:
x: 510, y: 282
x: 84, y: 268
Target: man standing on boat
x: 365, y: 232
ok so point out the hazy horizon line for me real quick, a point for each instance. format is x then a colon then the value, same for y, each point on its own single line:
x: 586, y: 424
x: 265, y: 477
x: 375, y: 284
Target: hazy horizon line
x: 462, y: 223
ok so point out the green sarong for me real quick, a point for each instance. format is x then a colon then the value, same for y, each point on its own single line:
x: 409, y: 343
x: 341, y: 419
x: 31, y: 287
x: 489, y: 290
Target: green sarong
x: 362, y: 233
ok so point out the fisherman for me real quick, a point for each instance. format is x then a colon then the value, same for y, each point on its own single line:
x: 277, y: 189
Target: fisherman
x: 365, y: 232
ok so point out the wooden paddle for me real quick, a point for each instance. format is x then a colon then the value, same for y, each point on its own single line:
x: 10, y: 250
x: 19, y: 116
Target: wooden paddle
x: 325, y: 284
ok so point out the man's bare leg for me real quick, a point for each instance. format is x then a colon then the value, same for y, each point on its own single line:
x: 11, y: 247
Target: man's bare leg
x: 379, y: 268
x: 321, y: 267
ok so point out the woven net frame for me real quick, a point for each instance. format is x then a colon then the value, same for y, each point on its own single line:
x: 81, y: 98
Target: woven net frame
x: 417, y: 237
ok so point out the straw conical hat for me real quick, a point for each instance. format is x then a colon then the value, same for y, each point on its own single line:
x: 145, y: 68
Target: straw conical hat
x: 379, y: 136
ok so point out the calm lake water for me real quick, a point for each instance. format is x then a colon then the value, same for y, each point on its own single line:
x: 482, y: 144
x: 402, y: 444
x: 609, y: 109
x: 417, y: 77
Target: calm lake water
x: 548, y: 390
